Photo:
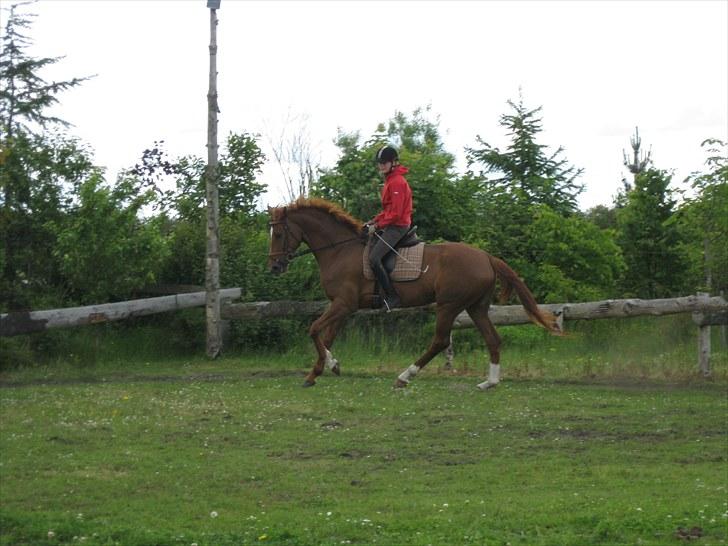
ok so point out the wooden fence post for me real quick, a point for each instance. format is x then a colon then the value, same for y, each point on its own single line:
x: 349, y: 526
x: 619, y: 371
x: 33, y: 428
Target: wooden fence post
x: 703, y: 341
x: 723, y: 328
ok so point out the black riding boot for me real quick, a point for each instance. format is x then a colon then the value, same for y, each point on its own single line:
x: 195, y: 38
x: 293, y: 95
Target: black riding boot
x: 391, y: 298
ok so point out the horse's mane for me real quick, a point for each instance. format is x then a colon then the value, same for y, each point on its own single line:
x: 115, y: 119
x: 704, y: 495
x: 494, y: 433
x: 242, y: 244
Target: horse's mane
x: 327, y: 207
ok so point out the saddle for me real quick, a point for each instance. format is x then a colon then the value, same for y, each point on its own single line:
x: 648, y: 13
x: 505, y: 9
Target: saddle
x: 405, y: 267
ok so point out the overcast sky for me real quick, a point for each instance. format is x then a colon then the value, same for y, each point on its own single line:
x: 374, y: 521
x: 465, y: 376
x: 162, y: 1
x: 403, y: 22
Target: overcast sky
x: 598, y: 69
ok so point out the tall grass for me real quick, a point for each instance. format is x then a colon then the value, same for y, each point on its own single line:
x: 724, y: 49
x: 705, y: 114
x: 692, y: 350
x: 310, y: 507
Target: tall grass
x: 639, y: 348
x: 645, y: 347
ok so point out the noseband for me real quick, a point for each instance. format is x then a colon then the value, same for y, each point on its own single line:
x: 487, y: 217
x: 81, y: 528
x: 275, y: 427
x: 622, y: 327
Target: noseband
x: 284, y: 256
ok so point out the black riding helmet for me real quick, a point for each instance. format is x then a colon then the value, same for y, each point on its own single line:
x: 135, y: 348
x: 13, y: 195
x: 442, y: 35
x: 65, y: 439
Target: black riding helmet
x: 386, y: 154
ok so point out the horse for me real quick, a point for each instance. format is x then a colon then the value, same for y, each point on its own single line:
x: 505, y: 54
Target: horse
x: 456, y: 277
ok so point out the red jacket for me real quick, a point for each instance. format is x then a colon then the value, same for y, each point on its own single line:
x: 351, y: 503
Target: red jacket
x: 396, y: 200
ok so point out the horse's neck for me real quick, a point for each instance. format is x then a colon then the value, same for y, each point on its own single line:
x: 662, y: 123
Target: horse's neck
x: 320, y: 229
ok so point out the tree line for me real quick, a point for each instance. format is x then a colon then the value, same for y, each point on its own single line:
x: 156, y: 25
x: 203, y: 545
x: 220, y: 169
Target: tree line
x: 70, y: 235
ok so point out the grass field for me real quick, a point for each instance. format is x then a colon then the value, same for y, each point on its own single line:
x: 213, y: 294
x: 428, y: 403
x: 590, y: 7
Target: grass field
x: 235, y: 452
x: 608, y: 436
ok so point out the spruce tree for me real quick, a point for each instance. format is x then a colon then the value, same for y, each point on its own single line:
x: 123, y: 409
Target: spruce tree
x: 650, y: 238
x: 35, y: 163
x: 514, y: 183
x: 524, y: 171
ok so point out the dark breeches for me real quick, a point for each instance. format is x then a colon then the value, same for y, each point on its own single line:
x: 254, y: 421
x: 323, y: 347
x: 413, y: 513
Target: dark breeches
x: 390, y: 235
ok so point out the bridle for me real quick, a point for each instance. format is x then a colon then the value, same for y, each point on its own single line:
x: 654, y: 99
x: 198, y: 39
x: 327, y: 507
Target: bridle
x: 283, y: 257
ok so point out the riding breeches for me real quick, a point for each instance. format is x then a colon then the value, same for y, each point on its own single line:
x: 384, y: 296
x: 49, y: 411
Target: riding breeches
x: 387, y: 240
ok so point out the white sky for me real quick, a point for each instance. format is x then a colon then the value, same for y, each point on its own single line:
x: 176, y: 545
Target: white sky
x: 598, y: 68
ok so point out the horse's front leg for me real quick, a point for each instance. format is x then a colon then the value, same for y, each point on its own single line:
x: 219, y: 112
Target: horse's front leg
x: 329, y: 336
x: 329, y: 323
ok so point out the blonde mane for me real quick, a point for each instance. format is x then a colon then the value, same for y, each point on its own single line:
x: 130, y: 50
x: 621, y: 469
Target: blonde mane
x: 327, y: 207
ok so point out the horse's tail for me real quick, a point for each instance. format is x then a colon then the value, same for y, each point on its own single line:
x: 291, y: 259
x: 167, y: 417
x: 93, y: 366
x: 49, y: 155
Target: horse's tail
x: 510, y: 281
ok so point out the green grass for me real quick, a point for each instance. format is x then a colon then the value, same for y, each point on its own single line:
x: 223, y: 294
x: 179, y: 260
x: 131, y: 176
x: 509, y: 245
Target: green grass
x: 608, y: 436
x: 223, y: 453
x: 662, y: 348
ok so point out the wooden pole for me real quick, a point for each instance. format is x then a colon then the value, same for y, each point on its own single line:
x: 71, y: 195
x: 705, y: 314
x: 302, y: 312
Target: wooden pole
x: 28, y: 322
x: 212, y: 262
x: 723, y: 328
x: 703, y: 342
x: 704, y: 350
x: 501, y: 314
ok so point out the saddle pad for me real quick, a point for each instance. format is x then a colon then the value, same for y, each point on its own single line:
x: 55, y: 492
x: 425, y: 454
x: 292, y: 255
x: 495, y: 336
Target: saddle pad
x: 408, y: 270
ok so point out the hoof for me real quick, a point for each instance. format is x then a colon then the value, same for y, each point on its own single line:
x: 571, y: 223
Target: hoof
x: 308, y: 383
x: 486, y: 386
x: 399, y: 384
x: 336, y: 370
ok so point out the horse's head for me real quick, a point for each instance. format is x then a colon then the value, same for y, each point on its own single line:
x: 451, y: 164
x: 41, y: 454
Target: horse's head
x: 285, y: 238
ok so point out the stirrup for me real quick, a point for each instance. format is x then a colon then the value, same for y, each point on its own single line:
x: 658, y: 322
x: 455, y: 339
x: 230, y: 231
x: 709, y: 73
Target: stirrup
x: 392, y: 302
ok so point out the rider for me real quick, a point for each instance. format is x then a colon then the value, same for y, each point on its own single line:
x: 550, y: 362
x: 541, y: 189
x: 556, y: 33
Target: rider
x: 393, y: 222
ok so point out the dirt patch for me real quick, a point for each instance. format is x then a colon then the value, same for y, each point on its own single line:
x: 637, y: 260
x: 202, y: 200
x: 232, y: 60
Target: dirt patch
x: 688, y: 534
x: 123, y: 379
x: 331, y: 425
x: 351, y: 454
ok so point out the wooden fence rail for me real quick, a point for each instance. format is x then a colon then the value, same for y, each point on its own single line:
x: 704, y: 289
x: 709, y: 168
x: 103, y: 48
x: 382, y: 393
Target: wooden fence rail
x: 707, y: 310
x: 13, y: 324
x: 501, y: 314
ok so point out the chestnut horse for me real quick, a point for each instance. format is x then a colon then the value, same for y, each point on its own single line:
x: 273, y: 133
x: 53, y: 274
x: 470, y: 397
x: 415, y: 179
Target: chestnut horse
x: 456, y: 277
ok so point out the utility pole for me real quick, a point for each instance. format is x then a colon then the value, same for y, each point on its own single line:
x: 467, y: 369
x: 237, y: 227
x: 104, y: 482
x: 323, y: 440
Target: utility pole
x: 212, y: 261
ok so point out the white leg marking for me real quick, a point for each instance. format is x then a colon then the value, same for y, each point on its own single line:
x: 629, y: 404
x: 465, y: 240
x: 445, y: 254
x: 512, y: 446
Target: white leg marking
x: 331, y: 362
x: 409, y: 373
x: 493, y: 378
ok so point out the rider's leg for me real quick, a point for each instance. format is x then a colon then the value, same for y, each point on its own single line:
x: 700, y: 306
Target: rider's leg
x: 391, y: 298
x: 385, y: 241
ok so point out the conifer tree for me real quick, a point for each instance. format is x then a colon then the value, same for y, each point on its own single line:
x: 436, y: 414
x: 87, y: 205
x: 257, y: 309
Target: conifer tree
x: 35, y: 163
x: 650, y: 238
x: 515, y: 183
x: 524, y: 172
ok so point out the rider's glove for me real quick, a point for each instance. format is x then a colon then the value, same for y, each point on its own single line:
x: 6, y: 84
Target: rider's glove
x: 368, y: 228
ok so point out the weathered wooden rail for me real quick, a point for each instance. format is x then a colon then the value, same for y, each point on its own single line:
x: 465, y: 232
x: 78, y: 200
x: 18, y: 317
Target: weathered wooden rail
x: 707, y: 310
x: 501, y: 314
x: 13, y: 324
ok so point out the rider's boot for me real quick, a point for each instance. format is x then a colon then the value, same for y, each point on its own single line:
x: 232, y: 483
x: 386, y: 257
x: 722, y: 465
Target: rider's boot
x: 391, y: 298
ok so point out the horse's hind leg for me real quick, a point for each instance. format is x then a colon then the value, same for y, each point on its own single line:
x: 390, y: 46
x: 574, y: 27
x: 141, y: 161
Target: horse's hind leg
x: 449, y: 355
x: 445, y: 317
x: 479, y: 314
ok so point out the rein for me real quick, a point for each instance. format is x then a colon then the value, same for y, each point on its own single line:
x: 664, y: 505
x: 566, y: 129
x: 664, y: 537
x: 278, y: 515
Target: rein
x: 325, y: 247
